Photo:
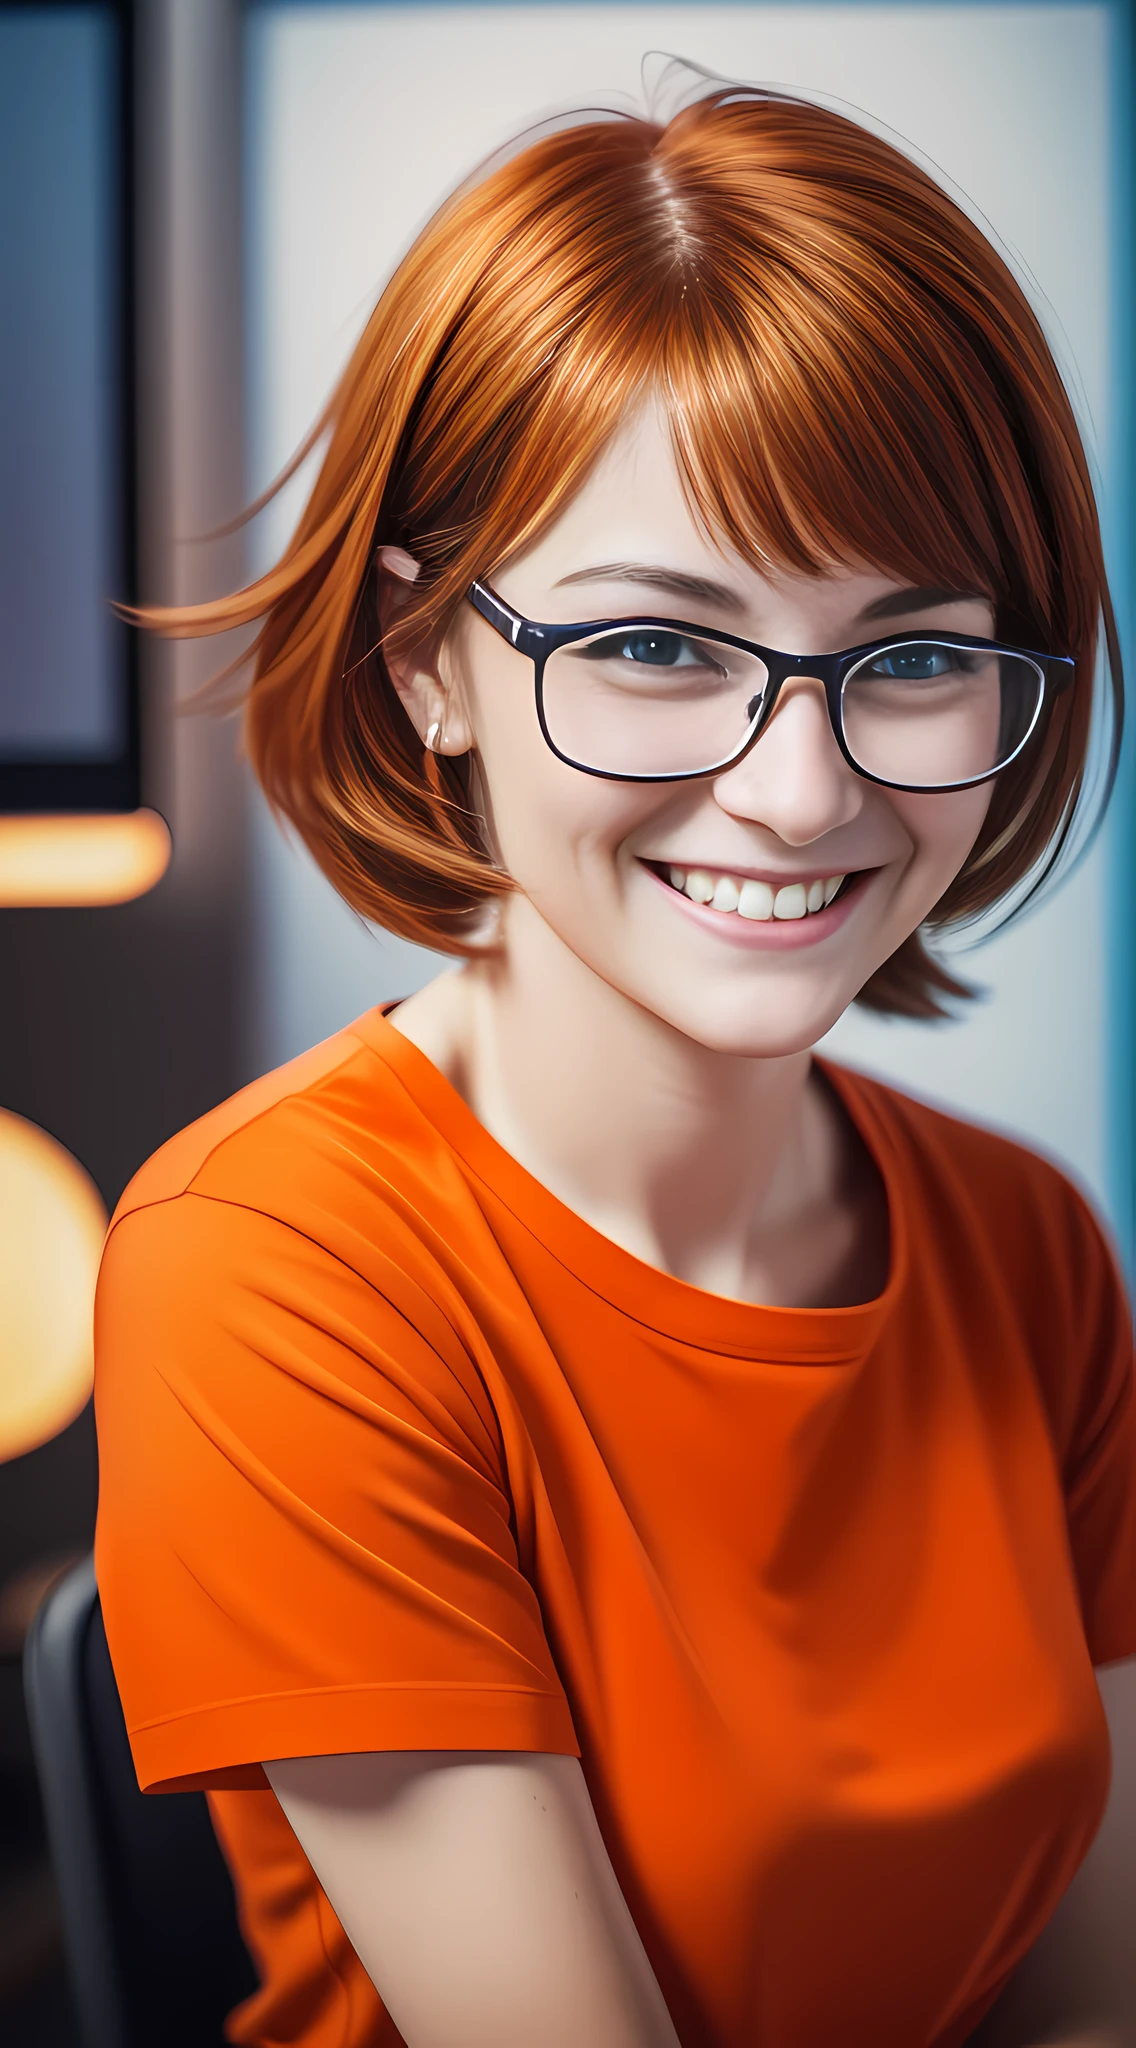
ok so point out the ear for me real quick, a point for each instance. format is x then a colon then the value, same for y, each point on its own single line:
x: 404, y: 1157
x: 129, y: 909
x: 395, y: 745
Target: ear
x: 432, y: 701
x: 397, y: 562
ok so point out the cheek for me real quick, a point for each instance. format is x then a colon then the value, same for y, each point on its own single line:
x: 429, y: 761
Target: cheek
x: 513, y: 778
x: 562, y: 844
x: 942, y: 830
x: 553, y: 827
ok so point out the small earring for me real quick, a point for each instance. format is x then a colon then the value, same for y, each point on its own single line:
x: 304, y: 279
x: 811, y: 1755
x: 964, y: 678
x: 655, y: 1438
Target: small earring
x: 432, y: 732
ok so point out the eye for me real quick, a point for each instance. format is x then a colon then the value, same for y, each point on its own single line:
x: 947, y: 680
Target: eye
x: 649, y: 647
x: 918, y: 664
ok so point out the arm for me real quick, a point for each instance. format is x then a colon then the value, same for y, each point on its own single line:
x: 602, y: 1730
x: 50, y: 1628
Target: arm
x: 1077, y: 1986
x: 478, y: 1894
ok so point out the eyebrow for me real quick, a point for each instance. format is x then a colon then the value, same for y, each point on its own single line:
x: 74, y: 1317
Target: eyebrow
x: 652, y: 576
x: 896, y: 604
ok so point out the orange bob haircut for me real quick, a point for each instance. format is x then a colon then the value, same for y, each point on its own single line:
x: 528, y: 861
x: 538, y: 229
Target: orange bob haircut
x: 851, y: 373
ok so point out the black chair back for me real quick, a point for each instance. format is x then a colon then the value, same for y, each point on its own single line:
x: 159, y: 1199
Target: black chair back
x: 154, y: 1950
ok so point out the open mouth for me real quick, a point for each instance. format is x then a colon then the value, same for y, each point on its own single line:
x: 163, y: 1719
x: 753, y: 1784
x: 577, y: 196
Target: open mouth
x: 757, y: 901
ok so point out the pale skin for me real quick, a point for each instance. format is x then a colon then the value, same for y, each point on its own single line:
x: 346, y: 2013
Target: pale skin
x: 688, y: 1124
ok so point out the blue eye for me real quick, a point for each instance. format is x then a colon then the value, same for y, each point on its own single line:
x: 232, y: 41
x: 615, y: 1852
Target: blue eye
x: 646, y: 647
x: 915, y: 664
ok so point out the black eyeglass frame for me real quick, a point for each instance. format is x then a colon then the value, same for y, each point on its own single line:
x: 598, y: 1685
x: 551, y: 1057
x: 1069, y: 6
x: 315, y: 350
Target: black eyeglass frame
x: 538, y: 641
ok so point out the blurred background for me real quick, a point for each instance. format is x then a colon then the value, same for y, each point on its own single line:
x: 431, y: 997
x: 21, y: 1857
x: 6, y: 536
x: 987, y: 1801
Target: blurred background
x: 198, y: 203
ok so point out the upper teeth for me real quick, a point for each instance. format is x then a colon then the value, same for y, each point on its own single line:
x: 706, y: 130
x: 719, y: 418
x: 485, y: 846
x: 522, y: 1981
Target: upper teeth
x: 754, y: 899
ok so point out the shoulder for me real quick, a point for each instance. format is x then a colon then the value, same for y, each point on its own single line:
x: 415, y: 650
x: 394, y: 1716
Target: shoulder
x: 330, y: 1132
x: 328, y: 1169
x: 309, y: 1225
x: 947, y: 1164
x: 1010, y: 1240
x: 244, y: 1126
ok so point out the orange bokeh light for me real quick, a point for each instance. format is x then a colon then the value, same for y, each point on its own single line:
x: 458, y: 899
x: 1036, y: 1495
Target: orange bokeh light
x: 52, y: 1226
x: 89, y: 858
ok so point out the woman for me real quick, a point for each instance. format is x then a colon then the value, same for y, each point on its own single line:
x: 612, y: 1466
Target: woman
x: 620, y: 1516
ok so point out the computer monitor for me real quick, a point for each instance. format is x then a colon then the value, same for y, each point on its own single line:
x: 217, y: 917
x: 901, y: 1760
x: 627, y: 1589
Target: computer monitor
x: 68, y: 663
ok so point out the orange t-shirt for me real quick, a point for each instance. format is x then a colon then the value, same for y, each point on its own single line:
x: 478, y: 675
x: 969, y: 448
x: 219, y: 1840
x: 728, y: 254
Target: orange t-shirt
x: 399, y: 1453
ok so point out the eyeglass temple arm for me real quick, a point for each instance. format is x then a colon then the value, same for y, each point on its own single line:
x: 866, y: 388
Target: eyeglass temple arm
x: 503, y: 620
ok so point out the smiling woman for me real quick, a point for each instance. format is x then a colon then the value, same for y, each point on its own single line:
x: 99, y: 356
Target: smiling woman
x: 630, y: 1512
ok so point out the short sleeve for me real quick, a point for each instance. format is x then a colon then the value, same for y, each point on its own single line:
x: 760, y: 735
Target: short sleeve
x: 304, y: 1539
x: 1095, y: 1413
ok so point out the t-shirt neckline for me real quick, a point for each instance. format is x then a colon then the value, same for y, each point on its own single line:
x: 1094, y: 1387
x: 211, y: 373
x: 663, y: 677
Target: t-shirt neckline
x: 660, y: 1301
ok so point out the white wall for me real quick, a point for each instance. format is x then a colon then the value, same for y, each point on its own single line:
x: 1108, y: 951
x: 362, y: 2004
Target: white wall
x: 363, y: 117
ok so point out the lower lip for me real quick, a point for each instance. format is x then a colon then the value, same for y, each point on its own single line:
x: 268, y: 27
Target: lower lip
x: 775, y: 934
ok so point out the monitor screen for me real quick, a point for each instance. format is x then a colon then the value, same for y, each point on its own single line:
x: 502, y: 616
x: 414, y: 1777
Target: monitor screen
x: 67, y: 684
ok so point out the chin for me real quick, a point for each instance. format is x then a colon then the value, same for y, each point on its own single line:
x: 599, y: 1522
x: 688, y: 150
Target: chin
x: 759, y: 1024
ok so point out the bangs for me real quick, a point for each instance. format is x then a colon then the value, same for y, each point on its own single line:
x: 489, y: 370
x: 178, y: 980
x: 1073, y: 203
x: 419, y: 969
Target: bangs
x: 844, y: 387
x: 809, y: 451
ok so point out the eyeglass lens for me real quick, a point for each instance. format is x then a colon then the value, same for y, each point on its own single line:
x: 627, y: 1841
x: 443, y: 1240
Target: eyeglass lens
x: 645, y: 701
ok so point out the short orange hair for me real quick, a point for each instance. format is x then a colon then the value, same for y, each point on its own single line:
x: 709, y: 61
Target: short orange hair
x: 852, y: 374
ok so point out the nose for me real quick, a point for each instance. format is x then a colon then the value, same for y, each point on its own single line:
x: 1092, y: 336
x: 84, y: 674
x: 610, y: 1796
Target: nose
x: 795, y: 780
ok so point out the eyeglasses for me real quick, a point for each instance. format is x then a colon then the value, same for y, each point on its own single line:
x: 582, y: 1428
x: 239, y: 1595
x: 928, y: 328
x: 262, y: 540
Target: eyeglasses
x: 658, y: 700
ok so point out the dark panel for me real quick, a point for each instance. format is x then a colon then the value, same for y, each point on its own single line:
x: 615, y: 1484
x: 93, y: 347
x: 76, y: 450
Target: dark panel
x: 68, y: 666
x: 117, y: 1028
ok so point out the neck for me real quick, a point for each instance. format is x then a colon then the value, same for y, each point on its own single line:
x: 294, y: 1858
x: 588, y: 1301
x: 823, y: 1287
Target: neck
x: 693, y: 1159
